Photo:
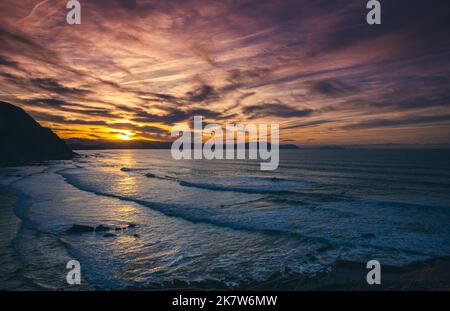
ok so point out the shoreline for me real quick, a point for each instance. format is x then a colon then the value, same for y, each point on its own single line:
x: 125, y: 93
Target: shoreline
x: 428, y: 275
x: 10, y: 276
x: 432, y: 274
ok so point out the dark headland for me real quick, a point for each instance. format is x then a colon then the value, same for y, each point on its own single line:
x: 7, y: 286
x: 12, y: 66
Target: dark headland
x: 24, y: 140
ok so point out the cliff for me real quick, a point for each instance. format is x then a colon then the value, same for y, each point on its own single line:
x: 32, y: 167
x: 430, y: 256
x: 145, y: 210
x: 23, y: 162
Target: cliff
x: 22, y: 139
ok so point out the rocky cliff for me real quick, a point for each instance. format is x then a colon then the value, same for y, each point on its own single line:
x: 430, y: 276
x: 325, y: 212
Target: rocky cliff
x: 22, y: 139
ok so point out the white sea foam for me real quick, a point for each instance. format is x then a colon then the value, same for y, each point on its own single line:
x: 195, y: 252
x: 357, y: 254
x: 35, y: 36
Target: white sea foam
x: 213, y: 222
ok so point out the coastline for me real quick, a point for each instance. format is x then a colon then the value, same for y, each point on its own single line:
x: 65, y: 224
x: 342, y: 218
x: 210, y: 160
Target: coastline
x: 10, y: 275
x: 428, y: 275
x: 433, y: 274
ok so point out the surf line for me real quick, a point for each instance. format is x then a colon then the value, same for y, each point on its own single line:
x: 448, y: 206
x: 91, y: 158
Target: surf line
x: 242, y: 141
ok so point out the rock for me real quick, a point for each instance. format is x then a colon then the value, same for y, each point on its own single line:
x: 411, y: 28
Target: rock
x: 23, y: 140
x: 131, y: 225
x: 79, y: 229
x: 109, y: 235
x: 101, y: 228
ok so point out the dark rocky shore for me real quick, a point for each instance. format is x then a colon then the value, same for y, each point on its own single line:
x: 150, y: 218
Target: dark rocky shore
x: 24, y: 140
x: 430, y: 275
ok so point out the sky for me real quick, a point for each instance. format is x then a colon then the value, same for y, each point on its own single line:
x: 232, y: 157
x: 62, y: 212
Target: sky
x: 133, y: 69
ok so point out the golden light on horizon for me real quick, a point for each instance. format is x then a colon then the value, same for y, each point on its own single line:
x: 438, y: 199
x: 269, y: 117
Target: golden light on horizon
x: 255, y: 69
x: 123, y: 135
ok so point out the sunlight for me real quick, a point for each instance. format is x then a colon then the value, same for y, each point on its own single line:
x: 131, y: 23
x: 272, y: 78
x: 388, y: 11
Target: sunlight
x: 123, y: 137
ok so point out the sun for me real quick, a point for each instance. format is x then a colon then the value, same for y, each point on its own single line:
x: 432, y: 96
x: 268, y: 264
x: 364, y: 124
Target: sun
x: 124, y: 135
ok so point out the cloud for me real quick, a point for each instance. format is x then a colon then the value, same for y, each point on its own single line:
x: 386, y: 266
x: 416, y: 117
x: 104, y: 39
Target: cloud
x: 307, y: 124
x: 431, y: 92
x: 138, y: 128
x: 331, y: 87
x: 79, y: 109
x: 16, y: 42
x: 167, y: 97
x: 202, y: 93
x: 56, y: 87
x: 49, y: 102
x: 275, y: 110
x: 54, y: 118
x: 174, y: 115
x: 305, y: 63
x: 4, y: 61
x: 13, y: 79
x: 383, y: 123
x: 202, y: 51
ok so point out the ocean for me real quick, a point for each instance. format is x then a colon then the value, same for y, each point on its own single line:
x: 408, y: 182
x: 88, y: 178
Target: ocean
x: 223, y: 224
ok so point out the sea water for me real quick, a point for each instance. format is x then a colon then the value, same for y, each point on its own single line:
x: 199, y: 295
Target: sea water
x: 226, y: 223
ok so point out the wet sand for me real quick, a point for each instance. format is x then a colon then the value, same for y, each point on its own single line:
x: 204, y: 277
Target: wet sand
x: 9, y: 261
x: 428, y: 275
x: 431, y: 275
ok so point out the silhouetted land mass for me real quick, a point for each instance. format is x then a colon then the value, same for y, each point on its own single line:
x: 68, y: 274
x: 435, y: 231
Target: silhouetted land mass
x: 378, y: 146
x: 23, y: 140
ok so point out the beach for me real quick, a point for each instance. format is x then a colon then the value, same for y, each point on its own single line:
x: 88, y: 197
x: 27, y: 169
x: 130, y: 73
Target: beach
x: 428, y: 275
x: 137, y: 220
x: 9, y: 225
x: 349, y: 276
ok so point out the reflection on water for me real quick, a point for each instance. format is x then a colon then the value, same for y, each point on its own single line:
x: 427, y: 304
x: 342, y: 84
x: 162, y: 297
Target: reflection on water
x: 229, y: 222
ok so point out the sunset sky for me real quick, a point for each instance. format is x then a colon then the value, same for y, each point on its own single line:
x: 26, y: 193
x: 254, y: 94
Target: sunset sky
x: 132, y: 69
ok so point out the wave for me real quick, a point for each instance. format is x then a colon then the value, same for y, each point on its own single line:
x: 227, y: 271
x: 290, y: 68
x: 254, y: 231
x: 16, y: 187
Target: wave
x: 209, y: 217
x: 30, y: 249
x: 291, y: 188
x: 261, y: 185
x: 216, y: 187
x: 128, y: 169
x: 190, y: 214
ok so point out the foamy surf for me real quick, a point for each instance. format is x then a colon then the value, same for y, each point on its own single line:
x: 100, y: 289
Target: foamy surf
x: 208, y: 223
